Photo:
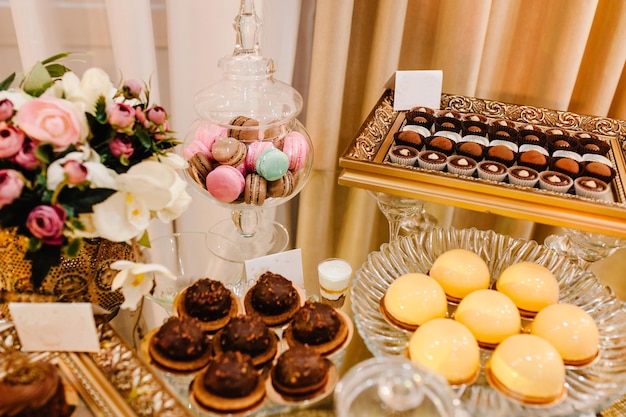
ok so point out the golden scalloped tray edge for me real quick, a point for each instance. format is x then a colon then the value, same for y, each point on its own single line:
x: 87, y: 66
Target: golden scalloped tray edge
x: 365, y: 165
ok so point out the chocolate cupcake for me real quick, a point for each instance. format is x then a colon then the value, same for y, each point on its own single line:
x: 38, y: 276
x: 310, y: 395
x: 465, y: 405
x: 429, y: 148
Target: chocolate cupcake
x: 229, y: 384
x: 471, y: 149
x: 300, y: 373
x: 598, y: 170
x: 523, y: 176
x: 319, y: 326
x: 555, y: 181
x: 462, y: 165
x: 533, y: 156
x: 274, y: 298
x: 592, y: 188
x: 491, y: 170
x: 209, y: 301
x: 503, y: 133
x: 179, y: 345
x: 409, y: 138
x: 503, y: 152
x: 403, y: 155
x: 441, y: 144
x: 432, y: 160
x: 250, y: 335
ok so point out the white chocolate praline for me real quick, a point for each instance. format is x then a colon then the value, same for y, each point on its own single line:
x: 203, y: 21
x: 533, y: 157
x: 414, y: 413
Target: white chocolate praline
x: 528, y: 369
x: 571, y: 330
x: 531, y: 286
x: 415, y: 298
x: 490, y: 315
x: 448, y: 348
x: 460, y: 272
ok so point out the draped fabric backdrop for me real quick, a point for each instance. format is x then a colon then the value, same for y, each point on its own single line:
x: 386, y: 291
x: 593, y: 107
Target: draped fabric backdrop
x: 559, y: 54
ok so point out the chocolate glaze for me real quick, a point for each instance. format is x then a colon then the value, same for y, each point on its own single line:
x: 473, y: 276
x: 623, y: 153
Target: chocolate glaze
x: 315, y: 323
x: 231, y: 375
x: 207, y: 300
x: 181, y: 339
x: 273, y: 294
x: 247, y: 334
x: 299, y: 367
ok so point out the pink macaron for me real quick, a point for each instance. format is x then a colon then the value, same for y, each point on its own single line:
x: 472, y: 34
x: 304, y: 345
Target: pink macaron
x: 297, y: 149
x: 225, y: 183
x: 255, y: 149
x: 204, y: 138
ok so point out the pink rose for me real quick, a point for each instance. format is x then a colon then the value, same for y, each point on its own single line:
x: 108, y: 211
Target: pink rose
x: 46, y: 223
x: 26, y: 157
x: 157, y: 115
x: 6, y: 109
x: 75, y: 171
x: 11, y: 185
x: 121, y: 146
x: 50, y: 120
x: 132, y: 87
x: 121, y: 115
x: 11, y: 140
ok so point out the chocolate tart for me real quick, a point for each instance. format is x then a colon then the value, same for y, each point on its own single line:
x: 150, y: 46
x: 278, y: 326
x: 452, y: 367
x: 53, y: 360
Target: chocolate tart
x: 274, y: 298
x: 300, y: 373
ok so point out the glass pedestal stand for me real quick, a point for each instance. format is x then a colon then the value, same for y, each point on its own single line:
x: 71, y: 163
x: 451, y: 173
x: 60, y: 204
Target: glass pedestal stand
x: 254, y: 235
x: 584, y: 248
x: 403, y: 213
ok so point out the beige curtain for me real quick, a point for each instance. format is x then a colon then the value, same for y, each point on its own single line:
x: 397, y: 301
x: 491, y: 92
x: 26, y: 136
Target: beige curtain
x: 558, y: 54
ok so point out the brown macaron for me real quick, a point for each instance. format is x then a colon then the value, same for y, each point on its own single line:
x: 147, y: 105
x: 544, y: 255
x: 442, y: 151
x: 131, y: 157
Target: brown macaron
x: 229, y: 151
x: 282, y: 187
x: 255, y: 190
x: 199, y: 167
x: 241, y: 128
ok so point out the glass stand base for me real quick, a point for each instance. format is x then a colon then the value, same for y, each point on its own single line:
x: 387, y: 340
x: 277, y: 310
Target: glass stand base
x: 270, y: 237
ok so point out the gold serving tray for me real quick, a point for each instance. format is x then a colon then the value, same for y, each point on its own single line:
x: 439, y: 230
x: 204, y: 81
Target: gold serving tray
x: 365, y: 165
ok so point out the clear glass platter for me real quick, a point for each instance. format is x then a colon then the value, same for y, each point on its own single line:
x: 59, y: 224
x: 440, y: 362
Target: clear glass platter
x: 589, y: 389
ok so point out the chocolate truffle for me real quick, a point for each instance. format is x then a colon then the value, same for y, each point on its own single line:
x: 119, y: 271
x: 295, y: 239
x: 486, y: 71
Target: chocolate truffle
x: 472, y: 149
x: 318, y: 325
x: 533, y: 159
x: 501, y: 153
x: 567, y: 166
x: 274, y: 298
x: 250, y: 335
x: 441, y: 144
x: 180, y: 344
x: 599, y: 170
x: 409, y: 138
x: 230, y: 383
x: 299, y: 372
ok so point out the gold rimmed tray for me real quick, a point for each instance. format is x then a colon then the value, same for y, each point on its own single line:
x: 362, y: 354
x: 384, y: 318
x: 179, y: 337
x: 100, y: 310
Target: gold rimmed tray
x: 365, y: 165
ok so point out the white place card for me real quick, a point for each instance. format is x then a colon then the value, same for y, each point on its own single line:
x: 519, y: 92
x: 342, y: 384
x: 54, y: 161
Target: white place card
x: 55, y: 327
x: 287, y: 264
x: 417, y: 88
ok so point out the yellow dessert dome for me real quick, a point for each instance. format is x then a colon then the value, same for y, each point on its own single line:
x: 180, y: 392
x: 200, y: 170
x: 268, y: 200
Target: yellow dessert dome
x: 527, y: 369
x: 531, y: 286
x: 413, y: 299
x: 448, y: 348
x: 460, y: 272
x: 490, y: 315
x: 571, y: 330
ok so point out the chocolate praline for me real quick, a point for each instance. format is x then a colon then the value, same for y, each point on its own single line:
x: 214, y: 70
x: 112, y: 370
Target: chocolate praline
x: 315, y: 323
x: 231, y: 374
x: 181, y: 339
x: 207, y: 299
x: 299, y: 371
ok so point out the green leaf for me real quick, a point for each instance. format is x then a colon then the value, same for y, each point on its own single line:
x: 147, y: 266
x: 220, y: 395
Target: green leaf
x: 45, y: 153
x: 144, y: 240
x: 37, y: 80
x: 57, y: 70
x: 55, y: 57
x: 83, y: 201
x: 144, y: 138
x: 73, y: 247
x: 42, y: 260
x: 6, y: 83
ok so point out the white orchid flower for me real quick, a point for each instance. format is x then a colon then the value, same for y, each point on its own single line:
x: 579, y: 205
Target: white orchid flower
x: 136, y: 280
x: 98, y: 175
x: 17, y: 97
x: 147, y: 190
x: 172, y: 160
x: 86, y: 91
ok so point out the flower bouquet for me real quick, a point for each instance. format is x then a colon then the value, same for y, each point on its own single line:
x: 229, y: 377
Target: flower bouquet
x: 80, y: 159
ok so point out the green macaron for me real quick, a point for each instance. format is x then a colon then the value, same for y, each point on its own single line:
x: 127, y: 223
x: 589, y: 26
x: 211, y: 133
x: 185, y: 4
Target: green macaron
x: 272, y: 164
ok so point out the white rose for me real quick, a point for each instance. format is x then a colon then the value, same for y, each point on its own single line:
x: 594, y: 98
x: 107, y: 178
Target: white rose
x: 86, y: 91
x: 17, y: 97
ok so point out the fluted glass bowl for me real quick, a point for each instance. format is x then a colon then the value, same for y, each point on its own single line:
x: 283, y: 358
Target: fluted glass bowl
x: 589, y: 389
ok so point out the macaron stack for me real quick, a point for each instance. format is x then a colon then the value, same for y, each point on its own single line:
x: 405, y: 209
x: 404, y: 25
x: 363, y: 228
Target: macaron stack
x: 245, y: 163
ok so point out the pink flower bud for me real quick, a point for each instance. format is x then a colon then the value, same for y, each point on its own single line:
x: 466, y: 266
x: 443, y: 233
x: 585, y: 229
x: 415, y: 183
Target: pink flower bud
x: 11, y: 140
x: 121, y: 146
x: 26, y: 157
x: 11, y: 185
x: 133, y: 87
x: 121, y: 115
x: 46, y: 223
x: 6, y: 109
x: 141, y: 116
x: 75, y: 172
x: 157, y: 115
